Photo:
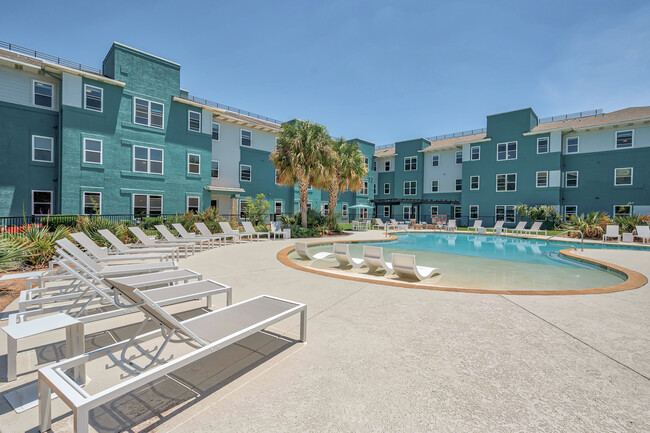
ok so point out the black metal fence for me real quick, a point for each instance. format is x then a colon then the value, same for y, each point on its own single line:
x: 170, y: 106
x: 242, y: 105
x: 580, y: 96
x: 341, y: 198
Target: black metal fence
x: 49, y: 57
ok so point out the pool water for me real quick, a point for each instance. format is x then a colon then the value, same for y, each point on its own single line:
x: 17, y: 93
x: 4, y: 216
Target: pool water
x: 490, y: 262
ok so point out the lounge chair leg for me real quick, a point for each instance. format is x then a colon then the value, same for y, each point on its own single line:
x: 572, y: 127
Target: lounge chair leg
x: 229, y: 296
x: 209, y: 302
x: 81, y: 421
x: 12, y: 353
x: 44, y: 406
x: 303, y: 325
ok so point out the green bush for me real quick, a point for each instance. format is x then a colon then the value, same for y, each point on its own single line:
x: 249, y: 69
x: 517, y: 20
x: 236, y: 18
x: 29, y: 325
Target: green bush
x: 298, y: 231
x: 12, y: 253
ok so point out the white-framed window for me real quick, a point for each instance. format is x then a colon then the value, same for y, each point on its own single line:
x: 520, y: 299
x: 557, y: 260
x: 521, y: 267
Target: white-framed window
x: 92, y: 151
x: 193, y: 203
x: 245, y: 173
x: 434, y: 186
x: 571, y: 179
x: 505, y: 213
x: 147, y: 205
x: 93, y: 98
x: 41, y: 202
x: 435, y: 160
x: 148, y: 113
x: 92, y: 202
x: 410, y: 187
x: 308, y: 205
x: 246, y: 138
x: 433, y: 210
x: 216, y: 127
x: 473, y: 212
x: 364, y: 190
x: 387, y: 188
x: 277, y: 207
x: 459, y: 184
x: 374, y: 189
x: 277, y: 177
x: 344, y: 209
x: 507, y: 151
x: 42, y: 148
x: 459, y: 157
x: 387, y: 166
x: 277, y: 142
x: 407, y: 211
x: 624, y: 139
x: 193, y: 121
x: 410, y: 163
x: 570, y: 210
x: 363, y: 214
x: 623, y: 176
x: 622, y: 210
x: 43, y: 94
x: 474, y: 183
x: 387, y: 211
x: 326, y: 209
x: 214, y: 203
x: 243, y: 205
x: 572, y: 145
x: 507, y: 182
x: 194, y: 163
x: 541, y: 179
x: 458, y: 212
x: 542, y: 145
x: 148, y: 160
x: 475, y: 153
x: 366, y: 163
x: 214, y: 169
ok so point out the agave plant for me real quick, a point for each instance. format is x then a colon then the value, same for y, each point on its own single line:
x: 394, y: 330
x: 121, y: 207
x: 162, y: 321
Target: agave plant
x: 629, y: 223
x: 12, y: 253
x: 591, y: 225
x: 91, y: 228
x: 40, y: 243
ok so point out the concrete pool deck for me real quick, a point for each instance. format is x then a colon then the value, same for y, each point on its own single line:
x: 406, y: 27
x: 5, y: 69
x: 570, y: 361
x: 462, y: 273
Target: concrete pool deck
x: 382, y: 358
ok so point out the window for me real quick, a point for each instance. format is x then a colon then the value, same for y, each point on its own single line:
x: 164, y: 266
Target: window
x: 387, y: 188
x: 277, y: 141
x: 459, y: 184
x: 326, y: 209
x: 623, y: 176
x: 374, y: 188
x: 624, y: 139
x: 193, y: 204
x: 344, y: 209
x: 93, y: 98
x: 214, y: 171
x: 474, y: 182
x: 214, y: 203
x: 410, y: 163
x: 622, y: 210
x: 308, y: 205
x: 246, y: 138
x: 92, y: 151
x: 92, y: 203
x: 473, y: 212
x: 148, y: 160
x: 193, y: 163
x: 435, y: 160
x: 147, y: 205
x: 475, y: 153
x: 505, y: 213
x: 243, y: 205
x: 194, y: 121
x: 507, y: 151
x: 277, y: 207
x: 215, y: 131
x: 363, y: 214
x: 408, y: 212
x: 541, y: 179
x: 42, y: 148
x: 434, y: 186
x: 43, y: 94
x: 277, y: 177
x: 507, y: 182
x: 570, y: 210
x: 387, y: 211
x: 364, y: 190
x: 366, y: 163
x: 572, y: 145
x: 459, y: 157
x: 387, y: 166
x: 41, y: 202
x: 434, y: 210
x: 148, y: 113
x: 571, y: 180
x: 458, y: 212
x: 410, y: 187
x: 542, y: 145
x: 245, y: 173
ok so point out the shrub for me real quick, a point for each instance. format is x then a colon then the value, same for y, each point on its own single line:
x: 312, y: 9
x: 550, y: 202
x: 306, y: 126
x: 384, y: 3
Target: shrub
x: 298, y: 231
x: 12, y: 253
x: 552, y: 219
x: 40, y: 243
x: 591, y: 225
x: 257, y: 210
x: 629, y: 223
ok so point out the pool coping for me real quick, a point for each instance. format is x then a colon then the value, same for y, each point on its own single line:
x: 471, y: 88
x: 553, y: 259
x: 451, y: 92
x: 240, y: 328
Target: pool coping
x: 634, y: 279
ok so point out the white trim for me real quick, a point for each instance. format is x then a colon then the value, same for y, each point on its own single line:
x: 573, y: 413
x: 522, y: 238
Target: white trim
x: 83, y: 201
x: 505, y: 212
x: 435, y: 158
x: 146, y: 53
x: 621, y: 205
x: 566, y: 178
x: 404, y: 187
x: 51, y: 148
x: 506, y: 182
x: 516, y: 151
x: 101, y: 98
x: 616, y: 139
x: 387, y: 184
x: 345, y: 211
x: 437, y: 185
x: 211, y: 130
x: 431, y: 210
x: 410, y: 158
x: 566, y: 145
x: 537, y: 185
x: 410, y: 212
x: 564, y: 214
x: 149, y: 160
x: 387, y: 169
x: 189, y: 117
x: 101, y: 151
x: 250, y: 170
x: 456, y: 157
x: 188, y: 162
x: 471, y: 155
x: 364, y: 188
x: 454, y: 209
x: 162, y: 202
x: 387, y: 208
x: 218, y: 168
x: 241, y: 137
x: 479, y: 183
x: 51, y: 202
x: 631, y: 176
x: 149, y: 112
x: 548, y: 145
x: 470, y: 212
x: 51, y: 107
x: 187, y: 202
x: 456, y: 185
x: 275, y: 207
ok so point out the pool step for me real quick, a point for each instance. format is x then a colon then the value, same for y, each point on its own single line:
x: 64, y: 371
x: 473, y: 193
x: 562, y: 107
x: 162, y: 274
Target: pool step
x: 555, y: 255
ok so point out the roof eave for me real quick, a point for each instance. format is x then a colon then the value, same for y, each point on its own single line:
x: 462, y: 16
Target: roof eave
x: 224, y: 114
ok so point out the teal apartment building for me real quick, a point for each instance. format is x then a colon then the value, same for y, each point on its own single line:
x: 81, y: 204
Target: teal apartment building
x: 126, y: 139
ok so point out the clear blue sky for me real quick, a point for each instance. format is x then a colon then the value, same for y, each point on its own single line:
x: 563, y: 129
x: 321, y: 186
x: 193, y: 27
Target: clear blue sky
x: 377, y: 70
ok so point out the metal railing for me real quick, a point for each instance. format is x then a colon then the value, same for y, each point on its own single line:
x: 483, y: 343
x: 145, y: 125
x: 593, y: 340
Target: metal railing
x: 384, y: 146
x: 233, y: 109
x: 578, y: 115
x: 458, y: 134
x: 49, y: 57
x: 582, y: 240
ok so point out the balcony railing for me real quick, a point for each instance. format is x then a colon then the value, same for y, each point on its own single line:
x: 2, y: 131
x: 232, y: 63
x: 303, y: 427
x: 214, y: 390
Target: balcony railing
x: 233, y: 109
x: 50, y: 58
x: 577, y: 115
x: 458, y: 134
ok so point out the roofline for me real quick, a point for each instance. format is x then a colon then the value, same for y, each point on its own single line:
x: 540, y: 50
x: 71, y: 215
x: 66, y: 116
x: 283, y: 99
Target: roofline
x: 582, y: 128
x: 512, y: 111
x: 74, y: 71
x: 565, y: 128
x: 146, y: 53
x: 225, y: 113
x: 458, y: 144
x: 386, y: 156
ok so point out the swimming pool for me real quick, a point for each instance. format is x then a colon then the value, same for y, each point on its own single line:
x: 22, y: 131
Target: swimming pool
x: 491, y: 262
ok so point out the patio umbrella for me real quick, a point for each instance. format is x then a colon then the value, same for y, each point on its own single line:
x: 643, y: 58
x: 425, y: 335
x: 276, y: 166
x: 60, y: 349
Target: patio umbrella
x: 361, y: 206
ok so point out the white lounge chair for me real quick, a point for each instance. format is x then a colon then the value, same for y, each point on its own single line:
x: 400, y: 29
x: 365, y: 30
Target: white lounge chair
x: 102, y: 255
x: 205, y: 334
x: 451, y: 225
x: 535, y: 228
x: 521, y: 225
x: 145, y: 240
x: 249, y: 229
x: 303, y: 251
x: 497, y: 225
x: 123, y: 248
x: 169, y: 237
x: 342, y: 255
x: 206, y: 233
x: 643, y: 233
x: 405, y: 267
x: 276, y: 229
x: 227, y: 229
x: 612, y: 232
x: 478, y: 224
x: 187, y: 236
x: 378, y: 223
x: 374, y: 259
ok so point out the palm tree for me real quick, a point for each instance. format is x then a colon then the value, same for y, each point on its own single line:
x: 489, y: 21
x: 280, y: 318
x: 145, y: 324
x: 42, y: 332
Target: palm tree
x: 347, y: 173
x: 303, y: 156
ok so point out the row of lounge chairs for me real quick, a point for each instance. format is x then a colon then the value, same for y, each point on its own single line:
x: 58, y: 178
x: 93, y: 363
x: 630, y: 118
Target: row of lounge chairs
x: 612, y: 231
x: 86, y: 283
x: 403, y: 265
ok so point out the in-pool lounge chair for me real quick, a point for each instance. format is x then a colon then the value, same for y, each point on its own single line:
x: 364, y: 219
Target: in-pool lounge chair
x: 451, y: 225
x: 303, y: 251
x: 478, y: 224
x: 535, y: 228
x: 249, y: 229
x: 122, y: 248
x: 643, y: 233
x: 225, y: 227
x: 102, y: 256
x: 276, y: 229
x: 497, y: 225
x: 146, y: 241
x: 205, y: 334
x: 187, y: 236
x: 342, y: 255
x: 169, y: 237
x: 374, y: 259
x: 206, y: 233
x: 405, y: 267
x: 521, y: 225
x: 612, y: 232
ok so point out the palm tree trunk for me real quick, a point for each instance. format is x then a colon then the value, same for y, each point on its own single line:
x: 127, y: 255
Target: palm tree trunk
x: 334, y: 197
x: 303, y: 189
